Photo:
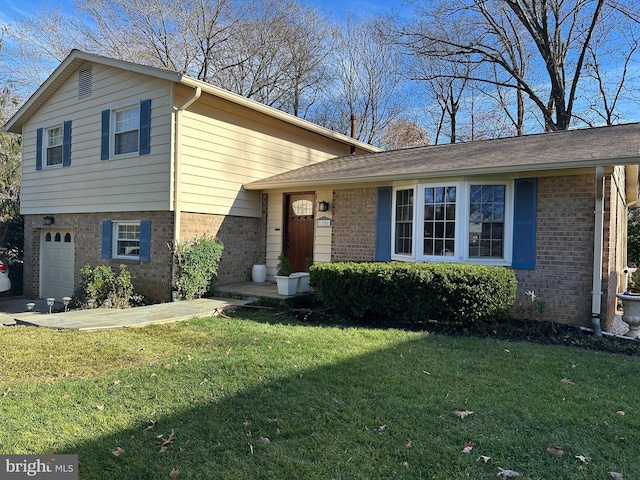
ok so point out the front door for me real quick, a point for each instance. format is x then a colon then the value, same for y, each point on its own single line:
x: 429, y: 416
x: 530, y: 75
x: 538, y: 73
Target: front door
x: 298, y: 229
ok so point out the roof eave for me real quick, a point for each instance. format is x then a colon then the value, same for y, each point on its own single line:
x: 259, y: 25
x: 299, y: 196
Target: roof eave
x: 494, y: 170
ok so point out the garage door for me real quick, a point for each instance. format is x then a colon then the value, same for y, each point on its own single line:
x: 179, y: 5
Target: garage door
x: 56, y: 263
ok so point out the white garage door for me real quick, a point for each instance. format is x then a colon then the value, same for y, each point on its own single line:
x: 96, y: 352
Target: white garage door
x: 56, y: 263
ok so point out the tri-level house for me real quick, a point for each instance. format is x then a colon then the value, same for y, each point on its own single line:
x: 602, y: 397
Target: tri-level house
x: 120, y: 160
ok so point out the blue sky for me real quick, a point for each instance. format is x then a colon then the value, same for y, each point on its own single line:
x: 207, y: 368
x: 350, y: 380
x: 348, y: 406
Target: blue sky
x: 12, y: 10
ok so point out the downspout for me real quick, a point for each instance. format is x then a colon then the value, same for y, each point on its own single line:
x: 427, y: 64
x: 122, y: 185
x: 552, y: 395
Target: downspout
x: 177, y: 164
x: 596, y: 294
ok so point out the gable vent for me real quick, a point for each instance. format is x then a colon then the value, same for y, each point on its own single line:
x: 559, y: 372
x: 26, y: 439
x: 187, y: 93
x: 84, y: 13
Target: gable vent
x: 85, y: 81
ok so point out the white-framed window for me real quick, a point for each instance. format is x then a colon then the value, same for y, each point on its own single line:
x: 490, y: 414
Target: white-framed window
x: 126, y: 240
x: 126, y: 125
x: 462, y: 221
x: 53, y: 139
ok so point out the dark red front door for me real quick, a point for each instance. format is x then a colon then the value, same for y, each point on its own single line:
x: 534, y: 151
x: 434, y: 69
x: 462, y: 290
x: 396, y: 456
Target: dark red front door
x: 298, y: 230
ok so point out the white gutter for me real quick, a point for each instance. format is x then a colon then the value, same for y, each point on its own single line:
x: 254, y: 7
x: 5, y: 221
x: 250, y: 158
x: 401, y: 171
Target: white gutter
x: 177, y: 164
x: 177, y: 168
x: 596, y: 293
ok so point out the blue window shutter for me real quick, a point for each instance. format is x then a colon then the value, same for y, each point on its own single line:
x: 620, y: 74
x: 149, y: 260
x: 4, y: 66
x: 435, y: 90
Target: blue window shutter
x: 105, y: 140
x: 145, y: 127
x: 66, y: 144
x: 106, y: 239
x: 145, y: 241
x: 383, y: 223
x: 524, y: 223
x: 39, y: 134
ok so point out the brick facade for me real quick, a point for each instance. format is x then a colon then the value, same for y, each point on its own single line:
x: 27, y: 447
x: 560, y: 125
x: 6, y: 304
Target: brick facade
x: 243, y: 239
x: 353, y: 236
x: 564, y: 244
x: 150, y: 278
x: 564, y: 249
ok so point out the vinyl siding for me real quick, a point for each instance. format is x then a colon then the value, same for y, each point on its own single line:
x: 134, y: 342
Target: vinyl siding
x: 132, y: 183
x: 225, y: 146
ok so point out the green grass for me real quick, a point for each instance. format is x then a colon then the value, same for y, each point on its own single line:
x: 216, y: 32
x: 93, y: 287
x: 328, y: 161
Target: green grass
x: 334, y: 403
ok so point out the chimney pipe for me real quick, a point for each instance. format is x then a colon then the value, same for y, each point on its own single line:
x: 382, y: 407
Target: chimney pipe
x: 353, y: 131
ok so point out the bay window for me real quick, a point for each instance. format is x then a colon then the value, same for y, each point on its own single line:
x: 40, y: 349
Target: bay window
x: 454, y: 221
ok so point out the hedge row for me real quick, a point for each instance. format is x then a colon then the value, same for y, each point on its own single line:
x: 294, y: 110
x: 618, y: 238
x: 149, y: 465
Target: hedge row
x: 416, y: 291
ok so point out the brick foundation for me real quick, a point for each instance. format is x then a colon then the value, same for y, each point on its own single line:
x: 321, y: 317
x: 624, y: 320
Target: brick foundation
x: 243, y: 239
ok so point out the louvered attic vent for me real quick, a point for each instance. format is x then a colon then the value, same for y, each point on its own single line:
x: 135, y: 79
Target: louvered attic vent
x: 85, y: 81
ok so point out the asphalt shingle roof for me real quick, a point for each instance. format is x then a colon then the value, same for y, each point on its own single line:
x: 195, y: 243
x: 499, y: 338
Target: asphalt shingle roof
x: 600, y: 146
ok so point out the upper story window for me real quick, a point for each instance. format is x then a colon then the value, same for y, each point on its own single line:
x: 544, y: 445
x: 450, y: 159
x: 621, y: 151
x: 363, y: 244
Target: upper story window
x: 53, y: 142
x: 125, y: 132
x: 461, y: 221
x: 53, y: 146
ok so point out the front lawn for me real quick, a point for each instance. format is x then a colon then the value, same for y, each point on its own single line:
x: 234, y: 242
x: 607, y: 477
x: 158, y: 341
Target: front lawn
x: 263, y: 396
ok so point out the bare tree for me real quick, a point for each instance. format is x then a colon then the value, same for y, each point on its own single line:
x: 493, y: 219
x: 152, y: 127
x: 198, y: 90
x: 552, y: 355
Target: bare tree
x: 609, y: 63
x: 558, y: 31
x: 367, y: 82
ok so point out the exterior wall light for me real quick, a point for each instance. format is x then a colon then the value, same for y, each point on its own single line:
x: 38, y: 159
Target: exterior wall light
x: 47, y: 221
x: 323, y: 206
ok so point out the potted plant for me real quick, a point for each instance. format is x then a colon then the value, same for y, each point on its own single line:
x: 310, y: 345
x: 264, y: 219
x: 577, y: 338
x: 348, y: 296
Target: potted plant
x: 287, y: 284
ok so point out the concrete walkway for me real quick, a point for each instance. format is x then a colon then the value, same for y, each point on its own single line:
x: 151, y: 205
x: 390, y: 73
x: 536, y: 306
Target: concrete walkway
x: 104, y: 318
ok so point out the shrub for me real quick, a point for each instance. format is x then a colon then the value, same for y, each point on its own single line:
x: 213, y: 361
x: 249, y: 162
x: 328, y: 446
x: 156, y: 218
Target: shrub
x: 195, y: 265
x: 401, y: 291
x: 101, y: 284
x: 283, y: 269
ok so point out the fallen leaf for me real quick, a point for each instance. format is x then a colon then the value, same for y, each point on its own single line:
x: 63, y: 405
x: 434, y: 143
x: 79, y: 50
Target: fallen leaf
x: 484, y: 458
x: 264, y: 440
x: 168, y: 366
x: 117, y: 452
x: 620, y: 412
x: 566, y: 381
x: 100, y: 407
x: 409, y: 445
x: 228, y: 352
x: 381, y: 429
x: 337, y: 401
x: 507, y: 473
x: 149, y: 427
x: 583, y: 458
x: 116, y: 382
x: 246, y: 424
x: 463, y: 414
x: 272, y: 420
x: 555, y: 452
x: 165, y: 442
x: 616, y: 475
x: 468, y: 447
x: 174, y: 473
x: 189, y: 358
x: 405, y: 464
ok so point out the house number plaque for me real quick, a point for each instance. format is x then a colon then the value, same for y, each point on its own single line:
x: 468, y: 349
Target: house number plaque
x: 324, y: 222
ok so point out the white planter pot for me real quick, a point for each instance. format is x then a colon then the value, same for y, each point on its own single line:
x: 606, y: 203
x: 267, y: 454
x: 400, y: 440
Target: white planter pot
x: 631, y: 313
x: 287, y: 285
x: 259, y: 273
x: 303, y: 281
